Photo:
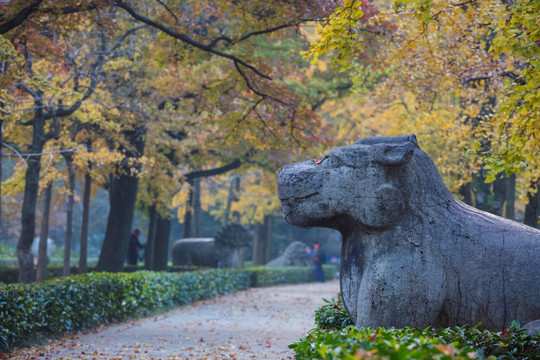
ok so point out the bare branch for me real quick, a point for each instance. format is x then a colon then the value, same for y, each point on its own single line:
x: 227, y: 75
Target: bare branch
x: 248, y: 83
x: 168, y: 10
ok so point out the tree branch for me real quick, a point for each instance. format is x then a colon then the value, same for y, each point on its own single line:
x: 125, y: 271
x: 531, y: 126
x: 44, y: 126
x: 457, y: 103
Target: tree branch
x: 264, y: 96
x: 255, y: 33
x: 185, y: 38
x: 168, y: 10
x: 212, y: 172
x: 20, y: 17
x: 33, y: 7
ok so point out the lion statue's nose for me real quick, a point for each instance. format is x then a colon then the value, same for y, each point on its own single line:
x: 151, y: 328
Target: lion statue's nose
x: 298, y: 181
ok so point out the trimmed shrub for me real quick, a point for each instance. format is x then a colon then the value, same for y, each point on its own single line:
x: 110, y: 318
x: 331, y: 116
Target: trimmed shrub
x: 267, y: 276
x: 78, y: 302
x: 10, y: 274
x: 336, y: 338
x: 84, y: 301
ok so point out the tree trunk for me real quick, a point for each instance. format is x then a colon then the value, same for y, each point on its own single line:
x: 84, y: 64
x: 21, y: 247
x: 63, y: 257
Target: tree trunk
x: 230, y: 199
x: 262, y: 242
x: 268, y: 236
x: 241, y: 255
x: 3, y: 69
x: 500, y: 188
x: 41, y: 273
x: 28, y: 215
x: 258, y: 246
x: 482, y: 194
x: 532, y: 210
x: 189, y: 209
x: 122, y: 197
x: 1, y: 154
x: 197, y: 210
x: 161, y: 246
x: 510, y: 205
x: 465, y: 192
x: 69, y: 214
x: 83, y: 256
x: 151, y: 239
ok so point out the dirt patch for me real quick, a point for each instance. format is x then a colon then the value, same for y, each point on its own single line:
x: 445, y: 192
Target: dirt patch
x: 255, y: 324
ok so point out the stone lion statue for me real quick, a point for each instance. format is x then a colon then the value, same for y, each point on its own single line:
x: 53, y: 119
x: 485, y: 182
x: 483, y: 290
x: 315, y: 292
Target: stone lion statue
x: 220, y: 251
x: 295, y: 255
x: 412, y: 253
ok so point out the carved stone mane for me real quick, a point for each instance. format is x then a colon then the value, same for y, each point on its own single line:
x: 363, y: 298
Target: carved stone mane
x: 412, y: 253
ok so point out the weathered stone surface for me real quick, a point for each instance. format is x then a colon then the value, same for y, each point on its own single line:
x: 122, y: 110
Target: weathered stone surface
x: 412, y: 253
x: 220, y: 251
x: 295, y: 255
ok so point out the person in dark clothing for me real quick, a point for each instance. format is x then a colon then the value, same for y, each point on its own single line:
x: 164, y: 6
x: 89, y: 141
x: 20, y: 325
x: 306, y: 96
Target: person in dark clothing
x: 134, y: 247
x: 319, y: 258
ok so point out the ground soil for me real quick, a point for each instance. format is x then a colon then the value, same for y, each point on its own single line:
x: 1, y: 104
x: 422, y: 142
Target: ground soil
x: 258, y: 323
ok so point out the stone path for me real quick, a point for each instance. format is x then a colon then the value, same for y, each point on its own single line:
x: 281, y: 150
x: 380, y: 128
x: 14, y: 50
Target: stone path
x: 255, y: 324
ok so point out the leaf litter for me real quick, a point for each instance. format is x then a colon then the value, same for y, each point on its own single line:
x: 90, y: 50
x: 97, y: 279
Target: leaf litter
x: 258, y: 323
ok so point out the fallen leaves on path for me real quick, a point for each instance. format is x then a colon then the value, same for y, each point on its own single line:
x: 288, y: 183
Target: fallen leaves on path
x: 254, y: 324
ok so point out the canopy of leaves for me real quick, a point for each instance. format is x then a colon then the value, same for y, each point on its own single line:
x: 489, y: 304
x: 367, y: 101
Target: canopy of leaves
x: 477, y: 61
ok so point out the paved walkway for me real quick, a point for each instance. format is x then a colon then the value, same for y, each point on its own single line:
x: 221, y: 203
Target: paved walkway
x: 255, y: 324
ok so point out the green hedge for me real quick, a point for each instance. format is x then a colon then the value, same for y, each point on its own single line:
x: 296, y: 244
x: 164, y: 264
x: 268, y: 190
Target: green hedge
x: 10, y: 274
x: 84, y: 301
x: 266, y: 276
x: 336, y: 338
x: 31, y: 311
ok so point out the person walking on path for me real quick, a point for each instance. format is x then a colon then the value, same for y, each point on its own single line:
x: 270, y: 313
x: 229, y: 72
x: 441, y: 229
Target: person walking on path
x: 134, y: 247
x: 319, y: 258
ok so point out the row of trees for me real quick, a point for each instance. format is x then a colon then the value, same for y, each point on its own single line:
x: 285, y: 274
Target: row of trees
x: 139, y: 98
x: 145, y: 99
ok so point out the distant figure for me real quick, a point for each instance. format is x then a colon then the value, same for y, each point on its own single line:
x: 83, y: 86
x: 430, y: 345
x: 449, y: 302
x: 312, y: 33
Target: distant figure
x: 134, y: 247
x: 319, y: 258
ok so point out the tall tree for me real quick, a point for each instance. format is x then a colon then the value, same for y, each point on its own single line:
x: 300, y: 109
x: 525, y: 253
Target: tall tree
x: 438, y: 58
x: 83, y: 258
x: 41, y: 270
x: 209, y: 54
x: 122, y: 197
x: 50, y: 106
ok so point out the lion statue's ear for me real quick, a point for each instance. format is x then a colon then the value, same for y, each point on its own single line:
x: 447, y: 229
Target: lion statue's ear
x: 393, y: 154
x: 385, y: 208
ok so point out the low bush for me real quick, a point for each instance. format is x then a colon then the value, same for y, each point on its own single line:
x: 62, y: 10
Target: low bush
x: 336, y: 338
x: 267, y: 276
x: 10, y: 274
x: 83, y: 301
x: 332, y: 315
x: 78, y: 302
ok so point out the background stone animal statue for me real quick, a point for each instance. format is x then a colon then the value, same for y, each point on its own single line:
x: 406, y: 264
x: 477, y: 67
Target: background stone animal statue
x: 220, y: 251
x: 412, y: 253
x: 295, y: 255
